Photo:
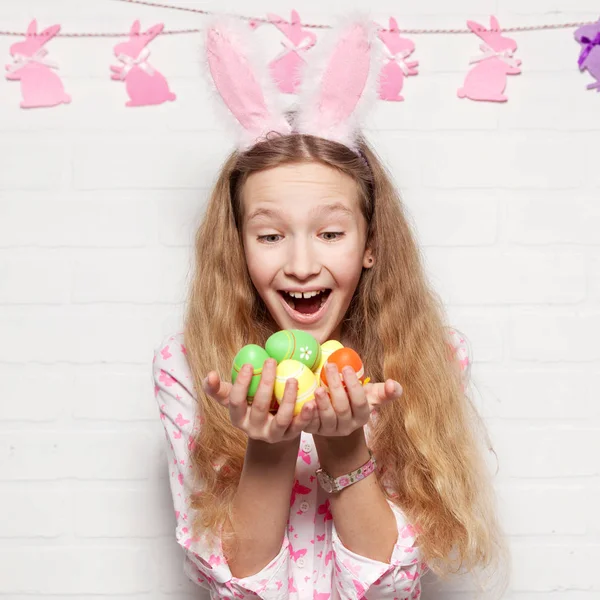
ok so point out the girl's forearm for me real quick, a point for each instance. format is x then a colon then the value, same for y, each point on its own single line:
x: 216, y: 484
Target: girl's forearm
x: 365, y: 523
x: 262, y: 504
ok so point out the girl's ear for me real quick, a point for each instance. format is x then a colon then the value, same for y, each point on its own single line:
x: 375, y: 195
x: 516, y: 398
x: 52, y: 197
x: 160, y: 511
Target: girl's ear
x: 494, y: 24
x: 135, y: 29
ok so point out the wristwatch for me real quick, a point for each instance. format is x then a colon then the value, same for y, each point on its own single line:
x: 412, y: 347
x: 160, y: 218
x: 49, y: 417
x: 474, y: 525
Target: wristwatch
x: 334, y: 485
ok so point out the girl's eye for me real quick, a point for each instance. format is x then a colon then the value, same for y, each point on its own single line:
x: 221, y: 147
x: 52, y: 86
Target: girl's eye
x: 263, y: 238
x: 340, y: 234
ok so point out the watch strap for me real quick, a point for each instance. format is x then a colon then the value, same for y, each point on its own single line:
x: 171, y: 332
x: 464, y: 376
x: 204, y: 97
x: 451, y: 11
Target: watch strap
x: 343, y: 481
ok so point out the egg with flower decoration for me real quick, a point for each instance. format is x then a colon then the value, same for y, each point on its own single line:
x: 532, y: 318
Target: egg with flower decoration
x: 294, y: 344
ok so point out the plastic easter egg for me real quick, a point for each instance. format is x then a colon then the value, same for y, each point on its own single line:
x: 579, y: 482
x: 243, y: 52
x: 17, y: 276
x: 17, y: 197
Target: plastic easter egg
x: 307, y: 382
x: 327, y: 349
x: 294, y: 344
x: 342, y: 358
x: 254, y: 355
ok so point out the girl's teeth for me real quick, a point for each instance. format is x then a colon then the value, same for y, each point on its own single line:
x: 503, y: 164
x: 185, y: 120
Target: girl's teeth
x: 293, y: 304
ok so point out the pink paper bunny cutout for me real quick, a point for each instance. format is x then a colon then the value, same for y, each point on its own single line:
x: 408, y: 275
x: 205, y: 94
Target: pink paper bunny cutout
x: 487, y: 80
x: 144, y: 84
x: 40, y: 86
x: 286, y: 68
x: 392, y: 75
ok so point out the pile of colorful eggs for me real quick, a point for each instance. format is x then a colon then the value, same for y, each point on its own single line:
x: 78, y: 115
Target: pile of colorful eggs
x: 299, y: 355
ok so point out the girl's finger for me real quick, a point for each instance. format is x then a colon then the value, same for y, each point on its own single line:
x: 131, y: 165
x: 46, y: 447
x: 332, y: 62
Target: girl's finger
x: 285, y: 413
x: 339, y: 397
x: 315, y: 421
x: 301, y: 420
x: 264, y: 393
x: 379, y: 394
x: 216, y: 389
x: 327, y: 414
x: 238, y: 398
x: 358, y: 399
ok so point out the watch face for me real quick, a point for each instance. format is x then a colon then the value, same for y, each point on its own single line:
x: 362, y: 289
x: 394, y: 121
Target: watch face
x: 325, y: 482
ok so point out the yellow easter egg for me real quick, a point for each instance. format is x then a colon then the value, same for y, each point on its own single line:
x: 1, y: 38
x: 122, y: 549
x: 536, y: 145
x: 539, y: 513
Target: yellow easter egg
x: 327, y: 349
x: 307, y: 382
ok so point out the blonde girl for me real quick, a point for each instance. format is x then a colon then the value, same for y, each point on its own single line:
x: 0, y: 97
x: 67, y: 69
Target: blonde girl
x: 293, y: 211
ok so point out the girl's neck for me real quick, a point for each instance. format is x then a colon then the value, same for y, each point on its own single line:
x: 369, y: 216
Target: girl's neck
x: 344, y: 340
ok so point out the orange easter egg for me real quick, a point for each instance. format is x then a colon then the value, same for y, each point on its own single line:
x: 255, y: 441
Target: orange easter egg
x: 344, y: 357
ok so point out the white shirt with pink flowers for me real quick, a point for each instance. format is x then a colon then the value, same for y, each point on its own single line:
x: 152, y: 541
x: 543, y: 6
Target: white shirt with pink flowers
x: 312, y: 563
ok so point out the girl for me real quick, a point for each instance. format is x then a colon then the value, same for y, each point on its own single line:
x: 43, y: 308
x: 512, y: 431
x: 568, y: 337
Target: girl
x: 369, y: 486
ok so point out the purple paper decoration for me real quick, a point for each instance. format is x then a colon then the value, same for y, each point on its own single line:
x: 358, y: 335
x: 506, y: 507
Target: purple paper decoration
x: 286, y: 69
x: 397, y: 50
x: 487, y: 80
x: 40, y: 85
x: 144, y: 84
x: 589, y: 58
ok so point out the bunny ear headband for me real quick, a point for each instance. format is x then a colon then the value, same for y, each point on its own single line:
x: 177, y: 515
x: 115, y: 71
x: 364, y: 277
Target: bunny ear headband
x: 336, y: 92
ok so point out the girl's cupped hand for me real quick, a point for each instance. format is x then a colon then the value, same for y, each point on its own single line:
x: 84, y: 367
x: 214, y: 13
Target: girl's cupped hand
x: 255, y: 419
x: 349, y: 409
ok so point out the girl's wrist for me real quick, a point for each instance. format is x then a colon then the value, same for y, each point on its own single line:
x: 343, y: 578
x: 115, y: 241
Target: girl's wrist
x: 272, y: 453
x: 341, y: 455
x: 342, y: 443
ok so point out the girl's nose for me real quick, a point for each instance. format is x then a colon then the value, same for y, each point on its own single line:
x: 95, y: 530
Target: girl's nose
x: 302, y: 262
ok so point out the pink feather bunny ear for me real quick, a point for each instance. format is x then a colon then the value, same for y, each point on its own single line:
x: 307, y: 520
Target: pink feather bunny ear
x: 243, y: 83
x: 340, y: 87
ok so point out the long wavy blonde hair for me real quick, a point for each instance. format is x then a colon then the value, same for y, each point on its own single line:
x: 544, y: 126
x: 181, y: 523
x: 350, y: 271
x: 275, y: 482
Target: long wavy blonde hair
x: 428, y: 445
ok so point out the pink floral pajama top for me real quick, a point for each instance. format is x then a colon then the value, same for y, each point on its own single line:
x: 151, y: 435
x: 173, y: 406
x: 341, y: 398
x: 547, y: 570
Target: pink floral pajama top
x: 312, y: 563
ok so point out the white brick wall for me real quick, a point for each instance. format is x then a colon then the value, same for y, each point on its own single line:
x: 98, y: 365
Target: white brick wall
x: 98, y: 204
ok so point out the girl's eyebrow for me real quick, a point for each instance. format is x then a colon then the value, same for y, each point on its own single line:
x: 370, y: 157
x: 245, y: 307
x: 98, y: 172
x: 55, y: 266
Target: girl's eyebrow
x: 322, y: 209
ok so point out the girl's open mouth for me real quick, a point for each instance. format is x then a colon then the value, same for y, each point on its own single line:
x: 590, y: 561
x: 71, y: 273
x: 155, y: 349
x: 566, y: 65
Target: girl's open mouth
x: 306, y: 310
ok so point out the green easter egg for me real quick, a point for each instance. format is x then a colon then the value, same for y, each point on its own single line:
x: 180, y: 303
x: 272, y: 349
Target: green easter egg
x: 294, y: 344
x: 254, y: 355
